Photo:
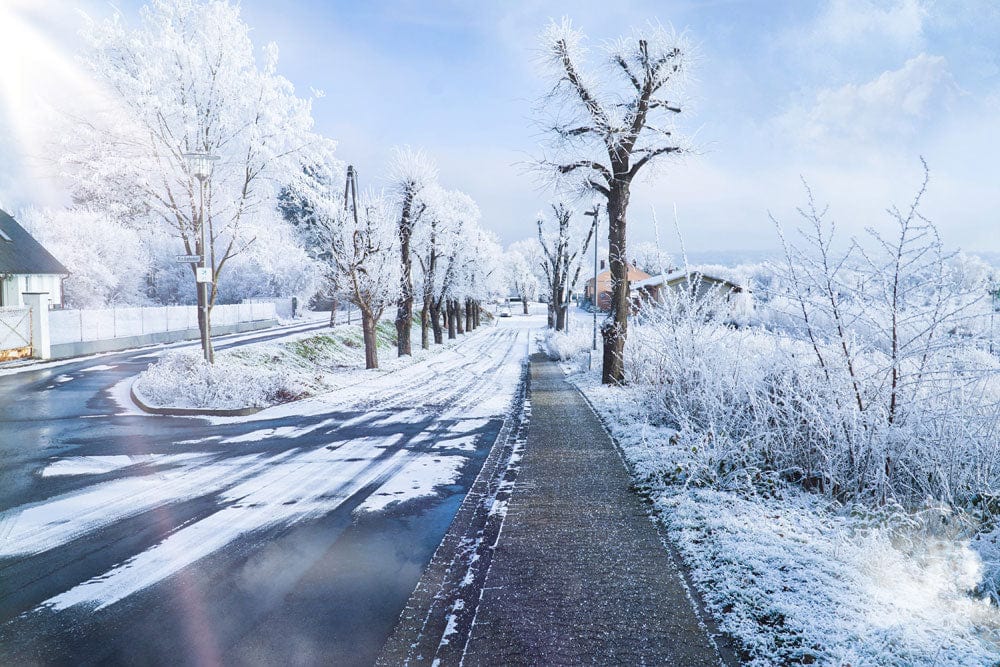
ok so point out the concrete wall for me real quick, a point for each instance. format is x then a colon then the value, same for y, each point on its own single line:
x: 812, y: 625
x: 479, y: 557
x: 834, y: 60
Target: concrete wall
x: 77, y: 349
x: 72, y: 326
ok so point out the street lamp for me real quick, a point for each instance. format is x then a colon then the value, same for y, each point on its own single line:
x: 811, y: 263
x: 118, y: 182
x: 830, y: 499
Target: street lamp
x: 200, y: 166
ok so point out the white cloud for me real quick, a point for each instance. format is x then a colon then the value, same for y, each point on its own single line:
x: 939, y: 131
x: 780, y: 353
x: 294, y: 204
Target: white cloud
x: 847, y: 22
x: 878, y: 114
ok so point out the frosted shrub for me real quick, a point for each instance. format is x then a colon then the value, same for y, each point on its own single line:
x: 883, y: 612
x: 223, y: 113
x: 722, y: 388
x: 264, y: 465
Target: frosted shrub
x: 868, y: 390
x: 561, y: 346
x: 185, y: 379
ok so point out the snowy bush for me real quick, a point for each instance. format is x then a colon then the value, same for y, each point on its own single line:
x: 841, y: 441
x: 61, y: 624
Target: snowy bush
x: 257, y: 375
x: 184, y: 379
x: 563, y: 346
x: 797, y: 577
x: 869, y: 389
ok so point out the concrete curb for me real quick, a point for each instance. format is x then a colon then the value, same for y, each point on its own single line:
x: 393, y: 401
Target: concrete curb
x: 461, y: 560
x: 189, y: 412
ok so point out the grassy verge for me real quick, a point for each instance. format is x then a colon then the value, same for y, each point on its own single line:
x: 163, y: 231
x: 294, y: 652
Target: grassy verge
x: 268, y: 373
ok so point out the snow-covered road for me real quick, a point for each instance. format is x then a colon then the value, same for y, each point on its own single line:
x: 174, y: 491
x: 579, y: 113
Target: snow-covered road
x: 141, y: 538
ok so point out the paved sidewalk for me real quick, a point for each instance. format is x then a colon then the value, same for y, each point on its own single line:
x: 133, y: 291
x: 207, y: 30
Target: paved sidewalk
x: 551, y: 559
x: 579, y: 574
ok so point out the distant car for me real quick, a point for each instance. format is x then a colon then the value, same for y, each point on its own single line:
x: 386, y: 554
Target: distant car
x: 505, y: 311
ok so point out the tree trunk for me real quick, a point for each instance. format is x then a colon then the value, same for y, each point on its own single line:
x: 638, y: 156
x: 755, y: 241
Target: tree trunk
x: 459, y: 316
x: 425, y: 325
x: 368, y: 322
x: 615, y: 329
x: 452, y: 318
x: 561, y: 318
x: 404, y: 305
x: 404, y: 322
x: 469, y: 323
x: 333, y: 313
x: 478, y: 313
x: 436, y: 323
x: 524, y: 304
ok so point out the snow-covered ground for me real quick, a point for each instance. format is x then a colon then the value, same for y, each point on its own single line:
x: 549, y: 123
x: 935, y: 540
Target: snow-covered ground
x: 799, y: 579
x: 269, y: 373
x: 381, y: 439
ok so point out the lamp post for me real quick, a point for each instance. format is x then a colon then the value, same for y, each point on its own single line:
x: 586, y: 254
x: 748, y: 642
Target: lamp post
x: 200, y: 165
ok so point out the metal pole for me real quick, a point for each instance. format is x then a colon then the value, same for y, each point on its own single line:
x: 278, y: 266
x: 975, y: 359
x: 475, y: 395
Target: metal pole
x: 204, y: 263
x: 593, y: 293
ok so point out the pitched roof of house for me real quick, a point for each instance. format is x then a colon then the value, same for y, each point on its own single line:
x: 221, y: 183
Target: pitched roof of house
x: 678, y: 275
x: 20, y: 253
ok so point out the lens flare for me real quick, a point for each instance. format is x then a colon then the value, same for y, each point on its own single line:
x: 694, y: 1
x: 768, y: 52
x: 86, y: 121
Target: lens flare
x: 39, y: 78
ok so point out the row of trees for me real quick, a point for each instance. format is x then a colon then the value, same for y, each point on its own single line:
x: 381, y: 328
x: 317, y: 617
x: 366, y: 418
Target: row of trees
x: 549, y: 266
x: 411, y: 241
x: 186, y: 79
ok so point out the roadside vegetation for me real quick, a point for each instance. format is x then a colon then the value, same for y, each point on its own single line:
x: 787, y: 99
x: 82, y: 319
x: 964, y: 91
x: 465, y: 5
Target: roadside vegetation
x: 830, y: 472
x: 265, y: 374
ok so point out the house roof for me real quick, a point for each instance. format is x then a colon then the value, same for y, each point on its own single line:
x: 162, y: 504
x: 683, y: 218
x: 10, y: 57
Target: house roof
x: 20, y: 253
x: 674, y: 277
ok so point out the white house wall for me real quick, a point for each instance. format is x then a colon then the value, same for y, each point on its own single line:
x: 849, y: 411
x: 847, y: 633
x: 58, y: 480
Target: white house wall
x: 14, y: 286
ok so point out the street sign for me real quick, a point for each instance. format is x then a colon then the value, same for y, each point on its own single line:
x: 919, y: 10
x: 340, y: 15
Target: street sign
x: 203, y: 274
x: 189, y: 259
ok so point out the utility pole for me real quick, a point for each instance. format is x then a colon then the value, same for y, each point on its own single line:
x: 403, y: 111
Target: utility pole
x: 351, y: 187
x: 596, y: 212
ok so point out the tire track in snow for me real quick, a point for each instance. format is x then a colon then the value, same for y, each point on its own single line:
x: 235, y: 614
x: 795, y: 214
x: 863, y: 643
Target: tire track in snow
x: 284, y: 489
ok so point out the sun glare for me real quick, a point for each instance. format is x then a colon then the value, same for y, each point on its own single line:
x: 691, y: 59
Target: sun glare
x: 37, y: 75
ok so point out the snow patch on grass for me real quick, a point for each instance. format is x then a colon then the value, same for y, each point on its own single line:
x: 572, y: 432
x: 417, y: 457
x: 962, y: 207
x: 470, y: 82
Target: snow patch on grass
x: 800, y: 582
x: 256, y: 375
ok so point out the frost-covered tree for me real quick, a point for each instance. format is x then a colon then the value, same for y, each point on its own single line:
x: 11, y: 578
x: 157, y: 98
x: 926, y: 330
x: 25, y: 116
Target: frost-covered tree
x: 564, y: 244
x: 184, y: 80
x: 519, y: 278
x: 606, y: 129
x: 652, y: 259
x: 441, y: 247
x: 481, y: 276
x: 535, y: 257
x: 411, y: 173
x: 108, y: 263
x: 365, y: 250
x: 310, y: 202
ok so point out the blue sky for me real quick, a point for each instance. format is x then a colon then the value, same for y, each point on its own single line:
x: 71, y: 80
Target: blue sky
x: 847, y: 93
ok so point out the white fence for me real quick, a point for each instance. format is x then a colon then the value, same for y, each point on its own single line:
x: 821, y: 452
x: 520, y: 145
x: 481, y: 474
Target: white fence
x: 15, y: 330
x: 75, y: 326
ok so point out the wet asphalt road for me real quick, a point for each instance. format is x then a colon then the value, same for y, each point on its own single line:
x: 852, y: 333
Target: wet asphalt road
x: 231, y: 541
